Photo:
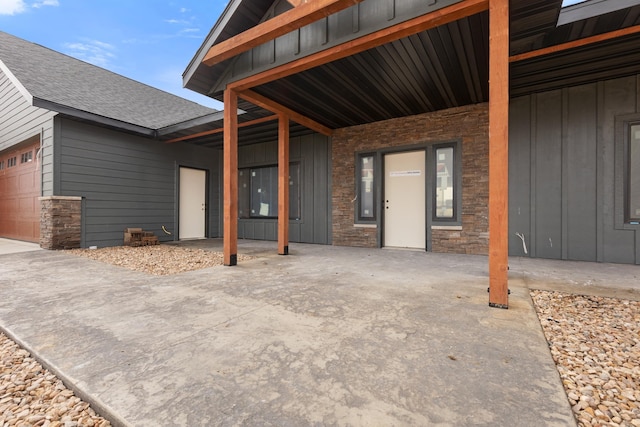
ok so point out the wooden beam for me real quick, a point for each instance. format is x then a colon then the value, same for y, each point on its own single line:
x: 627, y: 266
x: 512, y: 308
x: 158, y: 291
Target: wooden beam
x: 576, y: 43
x: 220, y: 130
x: 498, y: 153
x: 404, y: 29
x: 303, y: 14
x: 283, y: 185
x: 274, y: 107
x: 230, y: 178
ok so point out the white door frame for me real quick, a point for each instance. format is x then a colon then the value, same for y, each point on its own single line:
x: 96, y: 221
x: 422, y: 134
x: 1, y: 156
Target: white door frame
x: 192, y: 202
x: 404, y: 220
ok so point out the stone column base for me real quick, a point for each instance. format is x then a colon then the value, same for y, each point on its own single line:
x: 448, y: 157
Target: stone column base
x: 60, y: 222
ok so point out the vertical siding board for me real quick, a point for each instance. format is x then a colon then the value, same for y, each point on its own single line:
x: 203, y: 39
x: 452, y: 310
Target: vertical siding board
x: 312, y: 151
x: 619, y: 98
x: 580, y: 164
x: 548, y: 180
x: 519, y: 174
x: 320, y: 195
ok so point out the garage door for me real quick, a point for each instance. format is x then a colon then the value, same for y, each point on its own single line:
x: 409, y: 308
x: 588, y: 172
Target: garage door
x: 19, y: 191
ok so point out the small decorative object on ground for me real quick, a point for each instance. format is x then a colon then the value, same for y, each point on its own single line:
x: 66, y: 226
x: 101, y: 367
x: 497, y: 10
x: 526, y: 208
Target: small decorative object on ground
x: 139, y: 237
x: 595, y: 342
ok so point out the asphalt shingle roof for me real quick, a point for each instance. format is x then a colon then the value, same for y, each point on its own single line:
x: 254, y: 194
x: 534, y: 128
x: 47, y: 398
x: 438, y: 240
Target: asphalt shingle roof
x: 61, y: 79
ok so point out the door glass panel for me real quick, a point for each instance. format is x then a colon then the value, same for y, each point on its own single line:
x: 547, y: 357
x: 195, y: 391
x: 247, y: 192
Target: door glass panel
x: 444, y: 182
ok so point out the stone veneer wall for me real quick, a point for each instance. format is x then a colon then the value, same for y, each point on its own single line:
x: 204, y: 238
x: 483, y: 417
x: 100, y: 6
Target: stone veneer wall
x: 469, y: 124
x: 60, y: 222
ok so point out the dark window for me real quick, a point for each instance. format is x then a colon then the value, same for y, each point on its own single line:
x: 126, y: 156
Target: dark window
x: 26, y: 157
x: 633, y: 174
x: 1, y: 164
x: 12, y: 162
x: 258, y: 192
x: 366, y: 190
x: 444, y: 193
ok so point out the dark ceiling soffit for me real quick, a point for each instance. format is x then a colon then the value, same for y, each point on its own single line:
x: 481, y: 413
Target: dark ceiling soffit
x: 592, y: 8
x: 209, y: 41
x: 91, y: 117
x: 191, y: 123
x: 226, y: 77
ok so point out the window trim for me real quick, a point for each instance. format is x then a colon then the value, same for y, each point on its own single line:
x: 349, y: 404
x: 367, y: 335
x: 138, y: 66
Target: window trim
x: 300, y: 204
x: 456, y: 219
x: 622, y: 165
x: 628, y: 217
x: 358, y: 219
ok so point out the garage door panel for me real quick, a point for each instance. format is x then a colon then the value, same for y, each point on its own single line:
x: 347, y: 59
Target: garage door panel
x: 19, y: 191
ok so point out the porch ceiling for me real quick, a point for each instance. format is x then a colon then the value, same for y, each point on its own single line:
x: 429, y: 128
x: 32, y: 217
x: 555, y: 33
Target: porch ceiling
x: 437, y: 69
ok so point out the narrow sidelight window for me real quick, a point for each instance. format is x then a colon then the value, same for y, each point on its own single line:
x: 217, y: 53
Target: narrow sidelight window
x: 366, y: 199
x: 445, y: 175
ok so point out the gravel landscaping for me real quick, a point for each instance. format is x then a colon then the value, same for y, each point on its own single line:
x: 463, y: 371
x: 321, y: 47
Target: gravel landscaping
x: 158, y: 260
x: 595, y: 342
x: 32, y: 396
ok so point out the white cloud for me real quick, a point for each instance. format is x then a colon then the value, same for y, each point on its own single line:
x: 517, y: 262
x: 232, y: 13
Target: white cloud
x: 184, y: 10
x: 38, y: 5
x: 11, y: 7
x: 177, y: 21
x: 92, y: 51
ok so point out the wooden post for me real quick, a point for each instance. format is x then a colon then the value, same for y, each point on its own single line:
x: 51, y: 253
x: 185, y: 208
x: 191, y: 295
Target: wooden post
x: 283, y: 185
x: 498, y: 153
x: 230, y: 178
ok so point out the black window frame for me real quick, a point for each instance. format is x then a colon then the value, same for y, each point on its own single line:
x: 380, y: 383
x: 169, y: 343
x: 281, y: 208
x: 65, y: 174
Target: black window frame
x: 456, y: 176
x: 629, y: 170
x: 245, y: 176
x: 375, y: 169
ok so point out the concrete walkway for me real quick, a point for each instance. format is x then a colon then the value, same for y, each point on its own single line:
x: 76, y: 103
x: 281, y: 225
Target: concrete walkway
x: 324, y: 336
x: 8, y: 246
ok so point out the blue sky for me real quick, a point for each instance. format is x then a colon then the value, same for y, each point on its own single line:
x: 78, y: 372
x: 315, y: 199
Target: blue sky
x: 151, y: 41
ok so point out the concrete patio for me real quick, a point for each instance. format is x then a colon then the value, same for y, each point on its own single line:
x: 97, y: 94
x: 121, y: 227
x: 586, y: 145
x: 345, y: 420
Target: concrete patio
x: 324, y: 336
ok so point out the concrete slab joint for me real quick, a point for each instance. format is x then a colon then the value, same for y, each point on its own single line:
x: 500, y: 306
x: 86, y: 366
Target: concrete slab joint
x: 60, y: 222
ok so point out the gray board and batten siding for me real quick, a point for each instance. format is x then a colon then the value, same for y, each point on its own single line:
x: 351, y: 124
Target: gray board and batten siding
x: 566, y: 173
x: 313, y: 153
x: 127, y: 181
x: 349, y: 24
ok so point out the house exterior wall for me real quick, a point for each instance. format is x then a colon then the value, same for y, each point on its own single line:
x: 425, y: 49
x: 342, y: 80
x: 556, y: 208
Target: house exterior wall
x: 566, y: 173
x: 313, y: 154
x: 467, y: 124
x: 21, y: 121
x: 127, y: 181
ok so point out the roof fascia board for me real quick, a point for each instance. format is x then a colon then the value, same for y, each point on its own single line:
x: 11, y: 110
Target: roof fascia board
x: 14, y: 80
x: 215, y: 32
x: 576, y: 43
x: 280, y: 25
x: 96, y: 118
x: 592, y: 8
x: 428, y: 8
x: 188, y: 124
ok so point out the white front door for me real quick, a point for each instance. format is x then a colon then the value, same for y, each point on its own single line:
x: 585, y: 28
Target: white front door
x: 193, y: 184
x: 404, y: 200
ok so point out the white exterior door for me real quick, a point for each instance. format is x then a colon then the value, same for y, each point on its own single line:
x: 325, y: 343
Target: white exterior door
x: 193, y: 184
x: 404, y: 200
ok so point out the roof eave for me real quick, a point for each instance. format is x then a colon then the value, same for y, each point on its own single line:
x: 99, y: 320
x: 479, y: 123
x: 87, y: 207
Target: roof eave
x: 95, y: 118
